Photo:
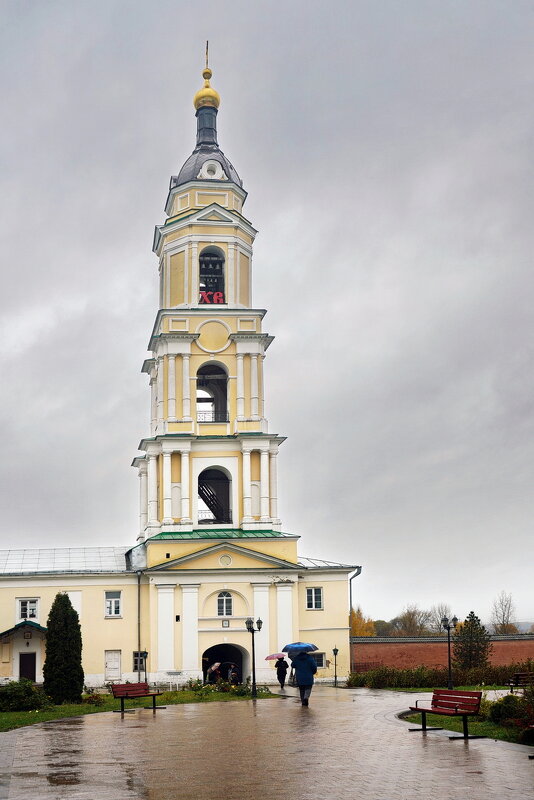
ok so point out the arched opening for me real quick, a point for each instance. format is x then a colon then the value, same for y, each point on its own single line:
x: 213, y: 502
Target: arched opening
x: 214, y: 492
x: 225, y: 655
x: 211, y: 276
x: 212, y: 392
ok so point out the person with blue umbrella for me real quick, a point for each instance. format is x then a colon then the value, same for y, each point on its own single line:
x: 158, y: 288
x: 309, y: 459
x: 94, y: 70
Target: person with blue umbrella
x: 305, y: 667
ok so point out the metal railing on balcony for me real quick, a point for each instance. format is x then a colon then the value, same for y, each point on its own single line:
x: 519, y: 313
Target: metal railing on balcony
x: 213, y: 416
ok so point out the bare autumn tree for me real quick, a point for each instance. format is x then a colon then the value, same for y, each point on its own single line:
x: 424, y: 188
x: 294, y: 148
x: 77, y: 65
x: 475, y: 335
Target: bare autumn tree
x: 412, y: 622
x: 503, y: 614
x: 437, y: 612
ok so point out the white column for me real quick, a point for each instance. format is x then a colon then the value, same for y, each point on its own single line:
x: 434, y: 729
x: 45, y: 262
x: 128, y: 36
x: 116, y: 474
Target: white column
x: 190, y: 654
x: 186, y: 389
x: 254, y: 389
x: 247, y: 491
x: 261, y: 409
x: 230, y: 275
x: 153, y: 491
x: 165, y: 627
x: 167, y: 492
x: 195, y: 296
x: 143, y: 500
x: 264, y: 486
x: 273, y: 455
x: 284, y: 614
x: 153, y: 404
x: 240, y: 388
x: 186, y: 516
x: 261, y: 610
x: 171, y: 389
x: 160, y: 395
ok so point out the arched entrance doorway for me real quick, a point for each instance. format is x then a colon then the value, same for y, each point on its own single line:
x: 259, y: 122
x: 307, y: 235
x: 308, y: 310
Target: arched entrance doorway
x: 226, y: 654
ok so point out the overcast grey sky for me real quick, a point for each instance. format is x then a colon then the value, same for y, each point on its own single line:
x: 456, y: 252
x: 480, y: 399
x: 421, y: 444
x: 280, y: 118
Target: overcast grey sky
x: 387, y: 150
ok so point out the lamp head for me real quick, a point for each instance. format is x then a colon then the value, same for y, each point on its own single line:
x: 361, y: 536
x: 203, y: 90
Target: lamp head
x: 249, y: 622
x: 445, y: 622
x: 335, y: 651
x: 259, y: 623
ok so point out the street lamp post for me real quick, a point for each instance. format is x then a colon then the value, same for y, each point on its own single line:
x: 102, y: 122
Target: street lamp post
x: 249, y: 622
x: 448, y: 626
x: 335, y: 652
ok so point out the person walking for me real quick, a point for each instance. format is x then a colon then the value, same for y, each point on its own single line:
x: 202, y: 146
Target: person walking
x: 281, y: 671
x: 305, y: 668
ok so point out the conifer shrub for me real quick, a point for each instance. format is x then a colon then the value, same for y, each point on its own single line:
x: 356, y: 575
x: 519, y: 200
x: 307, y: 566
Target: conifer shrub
x: 62, y: 670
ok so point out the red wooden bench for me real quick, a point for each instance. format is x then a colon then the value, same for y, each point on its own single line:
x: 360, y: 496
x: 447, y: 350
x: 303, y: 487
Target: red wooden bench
x: 125, y: 691
x: 450, y: 703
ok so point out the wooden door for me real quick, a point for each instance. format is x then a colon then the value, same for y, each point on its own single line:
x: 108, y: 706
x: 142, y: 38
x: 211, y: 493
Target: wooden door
x: 27, y: 666
x: 113, y: 665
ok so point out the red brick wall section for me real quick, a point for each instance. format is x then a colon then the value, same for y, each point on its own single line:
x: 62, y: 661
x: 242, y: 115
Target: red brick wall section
x: 432, y: 654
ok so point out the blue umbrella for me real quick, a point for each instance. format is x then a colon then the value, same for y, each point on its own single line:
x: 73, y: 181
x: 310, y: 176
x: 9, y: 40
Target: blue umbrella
x: 299, y: 647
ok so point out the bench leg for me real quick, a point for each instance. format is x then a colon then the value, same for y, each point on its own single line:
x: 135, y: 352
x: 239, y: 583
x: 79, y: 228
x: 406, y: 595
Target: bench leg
x: 123, y: 710
x: 466, y: 732
x: 423, y: 725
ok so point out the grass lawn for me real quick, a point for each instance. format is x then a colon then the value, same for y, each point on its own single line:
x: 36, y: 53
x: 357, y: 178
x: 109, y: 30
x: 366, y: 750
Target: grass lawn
x: 476, y: 727
x: 19, y: 719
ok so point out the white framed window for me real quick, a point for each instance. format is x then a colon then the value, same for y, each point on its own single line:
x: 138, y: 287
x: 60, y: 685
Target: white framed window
x: 320, y: 658
x: 314, y: 597
x: 139, y: 661
x: 113, y: 604
x: 28, y: 608
x: 224, y: 604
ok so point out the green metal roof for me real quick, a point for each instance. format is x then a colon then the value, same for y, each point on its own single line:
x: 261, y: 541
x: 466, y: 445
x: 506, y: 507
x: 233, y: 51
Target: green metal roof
x: 27, y: 623
x: 222, y: 533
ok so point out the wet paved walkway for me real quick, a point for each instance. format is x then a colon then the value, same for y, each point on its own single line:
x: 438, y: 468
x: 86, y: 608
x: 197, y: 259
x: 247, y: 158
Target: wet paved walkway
x: 347, y: 744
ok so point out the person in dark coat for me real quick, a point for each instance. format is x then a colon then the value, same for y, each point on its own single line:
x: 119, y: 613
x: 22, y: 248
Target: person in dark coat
x: 305, y: 668
x: 281, y: 671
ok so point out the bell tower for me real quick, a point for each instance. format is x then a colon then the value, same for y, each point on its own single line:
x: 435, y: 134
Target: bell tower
x: 209, y: 463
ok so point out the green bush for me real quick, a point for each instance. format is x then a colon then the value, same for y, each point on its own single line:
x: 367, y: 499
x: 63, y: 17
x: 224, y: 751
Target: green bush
x: 93, y: 699
x: 22, y: 696
x: 508, y: 708
x: 428, y: 677
x: 527, y: 736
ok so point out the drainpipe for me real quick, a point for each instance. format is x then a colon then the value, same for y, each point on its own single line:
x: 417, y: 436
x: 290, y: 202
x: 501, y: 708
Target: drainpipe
x: 139, y: 573
x: 355, y: 574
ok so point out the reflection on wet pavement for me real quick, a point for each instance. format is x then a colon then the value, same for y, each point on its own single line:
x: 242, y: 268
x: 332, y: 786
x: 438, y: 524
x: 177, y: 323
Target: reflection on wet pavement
x: 347, y: 744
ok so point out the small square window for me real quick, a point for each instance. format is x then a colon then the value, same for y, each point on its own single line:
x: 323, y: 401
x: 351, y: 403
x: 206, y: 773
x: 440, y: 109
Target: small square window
x: 139, y: 664
x: 28, y: 608
x: 320, y: 659
x: 314, y: 597
x: 113, y: 604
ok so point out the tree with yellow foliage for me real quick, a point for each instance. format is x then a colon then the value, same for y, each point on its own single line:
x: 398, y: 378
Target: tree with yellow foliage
x: 360, y: 625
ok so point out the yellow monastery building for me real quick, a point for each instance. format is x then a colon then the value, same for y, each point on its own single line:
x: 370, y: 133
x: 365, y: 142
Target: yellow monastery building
x: 210, y: 549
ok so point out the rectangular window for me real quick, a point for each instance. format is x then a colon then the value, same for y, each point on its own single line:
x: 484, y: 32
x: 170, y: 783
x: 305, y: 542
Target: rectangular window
x: 320, y: 659
x: 28, y: 608
x: 113, y: 604
x: 314, y: 597
x: 138, y: 661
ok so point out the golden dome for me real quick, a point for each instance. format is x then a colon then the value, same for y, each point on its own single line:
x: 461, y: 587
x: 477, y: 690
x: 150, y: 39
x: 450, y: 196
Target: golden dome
x: 206, y: 96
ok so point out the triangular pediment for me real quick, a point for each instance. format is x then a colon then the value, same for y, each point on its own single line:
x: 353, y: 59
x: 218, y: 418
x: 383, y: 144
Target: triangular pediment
x: 209, y: 558
x: 215, y: 213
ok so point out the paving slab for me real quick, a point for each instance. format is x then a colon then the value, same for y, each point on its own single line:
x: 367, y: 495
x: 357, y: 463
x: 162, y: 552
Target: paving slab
x: 347, y: 744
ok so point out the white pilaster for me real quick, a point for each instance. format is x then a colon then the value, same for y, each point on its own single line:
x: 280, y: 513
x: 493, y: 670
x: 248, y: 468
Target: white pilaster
x: 153, y: 404
x: 190, y: 654
x: 143, y: 500
x: 284, y: 614
x: 240, y: 388
x: 264, y: 485
x: 186, y: 389
x: 247, y: 489
x: 273, y: 455
x: 159, y: 425
x: 186, y: 513
x: 195, y: 290
x: 261, y: 610
x: 167, y: 492
x: 171, y: 389
x: 230, y: 275
x: 165, y: 627
x: 254, y: 389
x: 153, y: 491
